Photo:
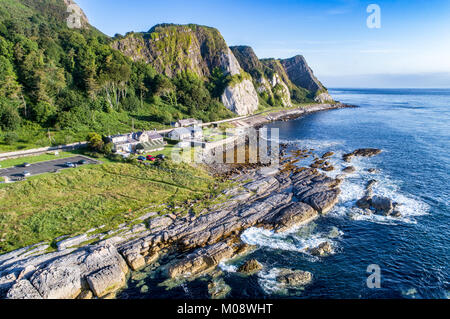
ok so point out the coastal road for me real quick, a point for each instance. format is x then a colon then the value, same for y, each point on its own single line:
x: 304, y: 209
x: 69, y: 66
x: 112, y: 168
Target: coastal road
x: 44, y: 167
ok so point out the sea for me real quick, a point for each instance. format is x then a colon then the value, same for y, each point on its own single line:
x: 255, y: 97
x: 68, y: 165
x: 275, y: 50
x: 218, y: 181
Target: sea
x: 373, y: 256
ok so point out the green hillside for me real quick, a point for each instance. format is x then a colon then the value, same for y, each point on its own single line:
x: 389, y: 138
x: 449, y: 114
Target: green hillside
x: 57, y: 83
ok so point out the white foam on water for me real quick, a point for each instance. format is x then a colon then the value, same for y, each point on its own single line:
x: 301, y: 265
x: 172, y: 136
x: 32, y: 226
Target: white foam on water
x: 353, y: 188
x: 409, y: 293
x: 225, y: 266
x: 289, y: 241
x: 268, y: 282
x: 354, y: 184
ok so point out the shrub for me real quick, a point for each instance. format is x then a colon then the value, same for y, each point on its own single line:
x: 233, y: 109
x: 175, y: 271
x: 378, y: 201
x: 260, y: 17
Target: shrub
x: 95, y: 142
x: 9, y: 116
x: 10, y: 138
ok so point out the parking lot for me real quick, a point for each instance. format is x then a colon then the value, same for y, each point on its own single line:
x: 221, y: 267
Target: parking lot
x: 15, y: 173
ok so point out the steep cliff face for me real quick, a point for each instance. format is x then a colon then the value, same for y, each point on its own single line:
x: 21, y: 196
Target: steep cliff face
x: 271, y: 82
x: 172, y: 49
x: 248, y: 60
x: 241, y: 98
x: 280, y: 81
x: 301, y: 75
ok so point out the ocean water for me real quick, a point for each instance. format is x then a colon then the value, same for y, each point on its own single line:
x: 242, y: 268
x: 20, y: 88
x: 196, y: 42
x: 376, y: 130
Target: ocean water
x: 412, y: 127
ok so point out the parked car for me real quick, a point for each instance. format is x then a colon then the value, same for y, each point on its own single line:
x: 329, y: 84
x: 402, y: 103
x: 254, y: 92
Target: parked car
x: 151, y: 158
x: 142, y: 158
x: 82, y: 162
x: 161, y: 157
x: 26, y: 165
x: 26, y: 174
x: 69, y: 164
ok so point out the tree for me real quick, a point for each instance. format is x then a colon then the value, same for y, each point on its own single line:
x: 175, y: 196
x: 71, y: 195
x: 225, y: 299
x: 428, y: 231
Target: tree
x: 8, y: 80
x: 217, y: 83
x: 95, y: 142
x: 164, y: 88
x: 142, y: 76
x: 43, y: 111
x: 9, y: 115
x: 108, y: 148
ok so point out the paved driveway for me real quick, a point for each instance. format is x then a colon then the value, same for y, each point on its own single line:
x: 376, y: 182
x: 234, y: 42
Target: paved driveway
x: 44, y: 167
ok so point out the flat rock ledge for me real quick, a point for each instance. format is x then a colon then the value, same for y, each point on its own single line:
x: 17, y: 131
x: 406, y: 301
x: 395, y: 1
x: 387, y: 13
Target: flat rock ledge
x: 277, y: 202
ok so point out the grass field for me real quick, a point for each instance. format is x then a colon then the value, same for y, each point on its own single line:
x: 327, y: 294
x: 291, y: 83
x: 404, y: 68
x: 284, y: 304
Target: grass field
x: 74, y: 201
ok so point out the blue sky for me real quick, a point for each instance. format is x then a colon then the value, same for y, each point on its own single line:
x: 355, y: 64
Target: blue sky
x: 412, y: 44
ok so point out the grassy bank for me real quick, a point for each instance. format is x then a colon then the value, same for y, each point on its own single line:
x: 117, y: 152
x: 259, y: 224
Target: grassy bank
x: 73, y: 201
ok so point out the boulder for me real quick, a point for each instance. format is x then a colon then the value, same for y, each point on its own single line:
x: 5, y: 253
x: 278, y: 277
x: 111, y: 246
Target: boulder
x: 294, y: 278
x: 327, y: 154
x: 144, y: 289
x: 65, y: 277
x: 60, y: 279
x: 135, y: 260
x: 218, y: 289
x: 382, y: 204
x: 294, y: 214
x: 250, y: 267
x: 103, y: 256
x: 349, y: 169
x: 201, y: 260
x: 106, y: 280
x: 324, y: 201
x: 323, y: 249
x: 364, y: 202
x: 334, y: 232
x: 23, y: 289
x: 365, y: 152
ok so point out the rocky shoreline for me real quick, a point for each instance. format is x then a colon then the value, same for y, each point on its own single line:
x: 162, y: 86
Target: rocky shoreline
x: 275, y: 199
x: 258, y: 121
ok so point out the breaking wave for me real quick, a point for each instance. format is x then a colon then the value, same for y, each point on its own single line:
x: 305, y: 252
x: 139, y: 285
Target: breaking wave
x: 298, y: 240
x: 354, y: 186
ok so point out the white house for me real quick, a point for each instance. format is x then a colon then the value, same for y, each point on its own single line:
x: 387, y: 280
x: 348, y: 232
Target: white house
x: 180, y: 134
x: 145, y: 140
